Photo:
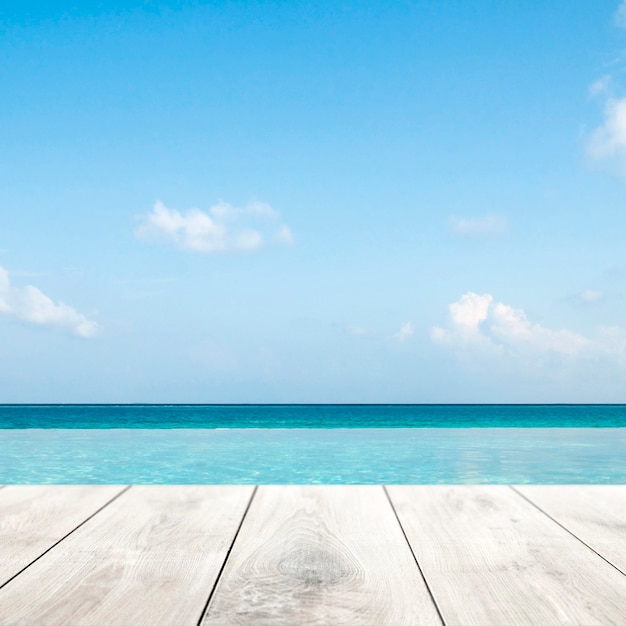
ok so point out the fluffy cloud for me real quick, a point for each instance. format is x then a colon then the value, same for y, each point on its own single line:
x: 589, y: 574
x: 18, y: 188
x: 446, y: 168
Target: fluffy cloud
x: 406, y: 332
x: 481, y: 226
x: 223, y: 228
x: 479, y: 322
x: 609, y: 140
x: 30, y: 305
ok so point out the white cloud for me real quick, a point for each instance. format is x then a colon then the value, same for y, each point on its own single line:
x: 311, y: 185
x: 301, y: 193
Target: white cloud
x: 30, y: 305
x: 480, y: 226
x: 223, y: 228
x: 476, y: 321
x: 512, y: 326
x: 470, y: 311
x: 406, y: 331
x: 609, y: 140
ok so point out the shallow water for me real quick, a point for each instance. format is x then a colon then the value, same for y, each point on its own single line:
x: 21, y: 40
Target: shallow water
x: 347, y: 456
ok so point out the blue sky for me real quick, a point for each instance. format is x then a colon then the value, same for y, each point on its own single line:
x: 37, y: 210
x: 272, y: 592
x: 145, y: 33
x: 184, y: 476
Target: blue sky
x: 313, y: 202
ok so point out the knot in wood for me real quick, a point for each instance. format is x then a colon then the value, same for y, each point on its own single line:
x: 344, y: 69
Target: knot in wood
x: 313, y: 566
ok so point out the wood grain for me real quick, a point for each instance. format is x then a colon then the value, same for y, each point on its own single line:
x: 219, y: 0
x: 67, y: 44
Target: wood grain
x: 596, y: 514
x: 34, y: 517
x: 151, y: 557
x: 490, y: 557
x: 321, y: 555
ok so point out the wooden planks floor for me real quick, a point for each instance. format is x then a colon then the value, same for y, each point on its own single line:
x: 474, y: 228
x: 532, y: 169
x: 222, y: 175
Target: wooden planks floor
x: 209, y: 554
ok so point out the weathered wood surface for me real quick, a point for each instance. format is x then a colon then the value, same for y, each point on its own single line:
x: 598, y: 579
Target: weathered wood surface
x: 596, y: 514
x: 490, y: 557
x: 312, y: 555
x: 321, y: 555
x: 35, y: 517
x: 151, y: 557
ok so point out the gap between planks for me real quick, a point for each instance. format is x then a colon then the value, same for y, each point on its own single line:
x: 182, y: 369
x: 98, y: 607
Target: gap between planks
x: 490, y: 558
x: 321, y: 555
x: 36, y: 518
x: 230, y: 549
x: 599, y: 523
x: 151, y: 557
x: 301, y: 551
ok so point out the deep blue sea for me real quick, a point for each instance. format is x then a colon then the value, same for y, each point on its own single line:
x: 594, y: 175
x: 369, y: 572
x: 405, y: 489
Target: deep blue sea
x: 365, y: 444
x: 313, y: 416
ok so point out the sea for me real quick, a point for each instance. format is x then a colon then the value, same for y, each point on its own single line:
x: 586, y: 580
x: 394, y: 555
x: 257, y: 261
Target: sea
x: 312, y: 444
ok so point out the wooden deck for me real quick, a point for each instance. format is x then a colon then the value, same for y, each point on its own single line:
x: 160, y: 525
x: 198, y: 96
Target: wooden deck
x: 208, y: 555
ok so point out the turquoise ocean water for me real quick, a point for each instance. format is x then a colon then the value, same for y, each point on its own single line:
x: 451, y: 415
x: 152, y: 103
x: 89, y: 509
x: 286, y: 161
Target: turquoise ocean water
x: 156, y: 444
x: 313, y: 416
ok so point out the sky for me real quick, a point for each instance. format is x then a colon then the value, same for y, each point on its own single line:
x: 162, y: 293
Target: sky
x: 336, y: 201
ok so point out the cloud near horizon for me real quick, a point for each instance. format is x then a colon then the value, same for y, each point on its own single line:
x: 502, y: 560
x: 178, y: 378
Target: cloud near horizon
x: 480, y: 226
x: 28, y: 304
x: 478, y: 323
x: 223, y: 228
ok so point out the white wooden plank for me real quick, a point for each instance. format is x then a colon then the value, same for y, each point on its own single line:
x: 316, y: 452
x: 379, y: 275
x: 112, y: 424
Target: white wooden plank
x: 34, y: 517
x: 490, y: 557
x: 151, y: 557
x: 596, y: 514
x: 321, y: 555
